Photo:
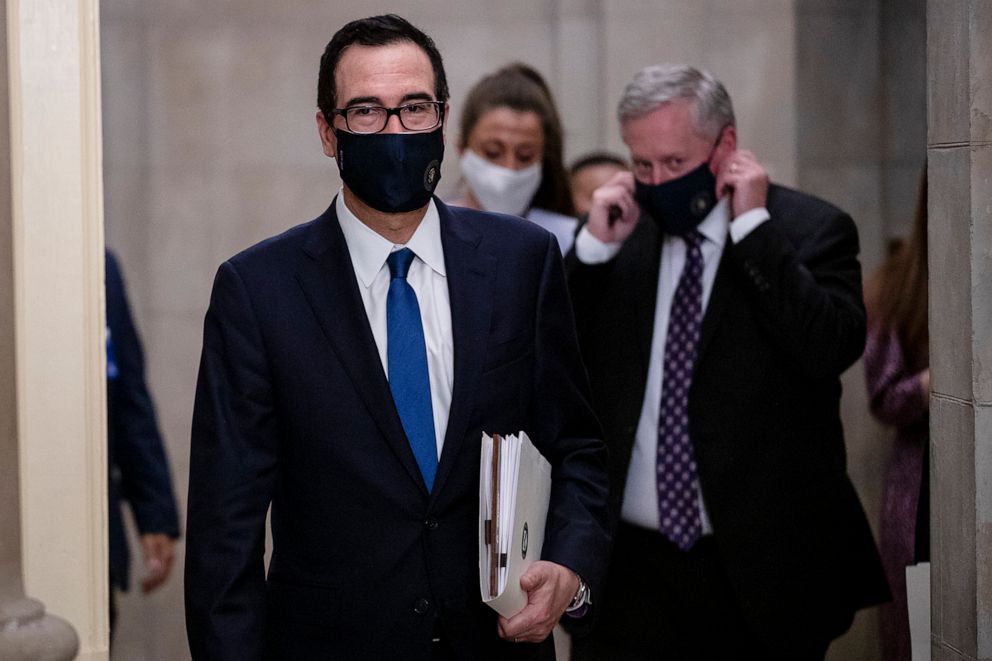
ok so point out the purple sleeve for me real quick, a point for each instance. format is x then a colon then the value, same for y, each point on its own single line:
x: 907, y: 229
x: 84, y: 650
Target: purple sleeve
x: 578, y: 612
x: 895, y: 392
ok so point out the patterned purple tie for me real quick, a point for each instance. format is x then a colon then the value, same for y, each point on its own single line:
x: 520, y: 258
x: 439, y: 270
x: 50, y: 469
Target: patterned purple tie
x: 678, y: 490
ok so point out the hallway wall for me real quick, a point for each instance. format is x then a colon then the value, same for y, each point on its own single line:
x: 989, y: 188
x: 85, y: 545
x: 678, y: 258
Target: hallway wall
x: 861, y: 118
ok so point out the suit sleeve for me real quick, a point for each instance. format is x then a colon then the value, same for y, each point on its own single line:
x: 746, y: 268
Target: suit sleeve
x: 138, y: 451
x: 808, y: 294
x: 577, y: 533
x: 233, y: 462
x: 587, y: 284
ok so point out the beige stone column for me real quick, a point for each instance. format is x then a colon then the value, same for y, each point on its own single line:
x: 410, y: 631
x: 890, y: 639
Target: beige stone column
x: 959, y: 71
x: 577, y: 62
x: 26, y: 632
x: 53, y: 489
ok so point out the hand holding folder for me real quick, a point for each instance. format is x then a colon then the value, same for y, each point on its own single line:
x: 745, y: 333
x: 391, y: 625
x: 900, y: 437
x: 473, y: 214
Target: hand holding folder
x: 514, y: 493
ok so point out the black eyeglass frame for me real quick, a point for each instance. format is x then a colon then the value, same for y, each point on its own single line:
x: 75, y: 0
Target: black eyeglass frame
x: 439, y: 105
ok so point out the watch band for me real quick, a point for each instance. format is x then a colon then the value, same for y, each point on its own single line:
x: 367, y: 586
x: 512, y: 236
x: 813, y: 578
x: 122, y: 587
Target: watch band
x: 581, y: 597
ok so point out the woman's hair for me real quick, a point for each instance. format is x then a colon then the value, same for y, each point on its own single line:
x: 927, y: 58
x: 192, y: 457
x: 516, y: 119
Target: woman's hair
x: 521, y: 88
x: 897, y: 296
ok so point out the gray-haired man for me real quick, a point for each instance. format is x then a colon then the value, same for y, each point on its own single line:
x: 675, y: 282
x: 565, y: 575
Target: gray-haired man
x: 716, y: 313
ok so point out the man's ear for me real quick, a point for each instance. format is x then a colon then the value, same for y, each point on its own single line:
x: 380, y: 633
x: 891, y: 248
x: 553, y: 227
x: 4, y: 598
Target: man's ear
x: 728, y: 141
x: 724, y: 148
x: 327, y: 138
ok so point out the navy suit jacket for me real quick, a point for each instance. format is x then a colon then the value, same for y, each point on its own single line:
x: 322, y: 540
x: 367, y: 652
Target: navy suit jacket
x: 139, y: 472
x: 784, y: 320
x: 293, y: 408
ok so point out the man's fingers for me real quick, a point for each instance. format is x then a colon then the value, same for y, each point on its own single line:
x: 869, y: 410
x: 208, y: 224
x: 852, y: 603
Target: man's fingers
x: 532, y: 620
x: 613, y: 196
x: 531, y: 625
x: 533, y: 578
x: 159, y: 553
x: 515, y: 627
x: 155, y: 566
x: 631, y: 211
x: 537, y: 619
x: 624, y: 179
x: 547, y: 585
x: 152, y: 582
x: 742, y: 176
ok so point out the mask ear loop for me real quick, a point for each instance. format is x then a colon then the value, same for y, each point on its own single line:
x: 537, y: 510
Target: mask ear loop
x: 709, y: 159
x: 719, y: 139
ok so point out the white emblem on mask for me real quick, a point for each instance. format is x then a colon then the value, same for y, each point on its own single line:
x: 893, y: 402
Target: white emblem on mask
x: 430, y: 175
x: 701, y: 204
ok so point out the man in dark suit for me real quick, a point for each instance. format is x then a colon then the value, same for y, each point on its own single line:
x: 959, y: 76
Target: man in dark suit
x: 138, y: 470
x: 715, y: 315
x: 349, y: 368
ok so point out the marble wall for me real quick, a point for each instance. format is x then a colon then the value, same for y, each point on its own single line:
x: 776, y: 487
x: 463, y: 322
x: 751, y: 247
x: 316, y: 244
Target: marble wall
x: 959, y: 148
x: 210, y: 146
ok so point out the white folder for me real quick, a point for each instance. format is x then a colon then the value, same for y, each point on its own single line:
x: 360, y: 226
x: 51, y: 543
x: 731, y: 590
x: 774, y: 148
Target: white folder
x: 511, y: 517
x: 918, y: 601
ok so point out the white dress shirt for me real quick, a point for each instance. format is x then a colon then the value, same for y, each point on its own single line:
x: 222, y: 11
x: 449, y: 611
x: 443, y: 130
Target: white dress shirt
x: 427, y: 277
x: 563, y: 227
x: 640, y: 496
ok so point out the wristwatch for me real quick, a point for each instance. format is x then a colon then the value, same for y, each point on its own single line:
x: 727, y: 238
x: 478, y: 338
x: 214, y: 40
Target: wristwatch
x: 581, y: 598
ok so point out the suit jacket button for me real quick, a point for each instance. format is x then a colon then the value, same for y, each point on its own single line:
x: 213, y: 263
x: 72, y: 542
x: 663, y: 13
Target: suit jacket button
x: 431, y: 524
x: 422, y: 606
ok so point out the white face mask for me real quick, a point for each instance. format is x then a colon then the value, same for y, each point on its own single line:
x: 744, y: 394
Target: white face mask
x: 500, y: 189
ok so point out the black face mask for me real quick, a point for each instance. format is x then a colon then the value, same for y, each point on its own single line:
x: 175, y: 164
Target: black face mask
x: 681, y: 204
x: 391, y: 172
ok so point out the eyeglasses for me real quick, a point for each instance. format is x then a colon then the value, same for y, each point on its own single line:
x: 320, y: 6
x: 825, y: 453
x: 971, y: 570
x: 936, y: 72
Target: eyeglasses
x: 417, y: 116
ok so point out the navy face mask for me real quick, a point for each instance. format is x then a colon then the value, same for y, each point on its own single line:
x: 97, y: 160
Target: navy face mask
x: 681, y: 204
x: 391, y: 172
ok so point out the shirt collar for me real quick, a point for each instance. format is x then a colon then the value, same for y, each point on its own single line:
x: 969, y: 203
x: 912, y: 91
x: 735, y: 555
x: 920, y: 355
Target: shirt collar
x: 717, y: 222
x: 369, y: 249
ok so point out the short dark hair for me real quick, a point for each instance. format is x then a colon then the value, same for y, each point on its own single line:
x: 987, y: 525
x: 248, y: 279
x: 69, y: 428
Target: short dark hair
x: 521, y: 88
x: 374, y: 31
x: 596, y: 158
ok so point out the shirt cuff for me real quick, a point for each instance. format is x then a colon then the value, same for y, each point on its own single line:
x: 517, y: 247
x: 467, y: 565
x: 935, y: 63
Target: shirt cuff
x: 746, y: 223
x: 578, y: 612
x: 591, y: 250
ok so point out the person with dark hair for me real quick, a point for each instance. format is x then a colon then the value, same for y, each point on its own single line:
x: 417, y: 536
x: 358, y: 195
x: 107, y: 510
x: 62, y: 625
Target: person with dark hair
x: 512, y: 144
x: 588, y: 173
x: 716, y: 312
x: 138, y: 469
x: 897, y: 371
x: 350, y: 367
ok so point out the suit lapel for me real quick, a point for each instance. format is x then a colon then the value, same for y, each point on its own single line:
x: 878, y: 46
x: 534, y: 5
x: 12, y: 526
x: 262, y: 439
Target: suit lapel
x: 329, y: 284
x: 719, y: 297
x: 644, y: 289
x: 471, y: 277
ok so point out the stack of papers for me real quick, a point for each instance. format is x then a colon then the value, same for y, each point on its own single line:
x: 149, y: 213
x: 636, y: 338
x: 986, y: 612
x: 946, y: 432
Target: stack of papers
x: 514, y: 492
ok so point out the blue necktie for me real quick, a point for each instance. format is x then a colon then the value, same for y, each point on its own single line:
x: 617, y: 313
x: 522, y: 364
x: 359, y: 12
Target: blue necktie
x: 407, y: 357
